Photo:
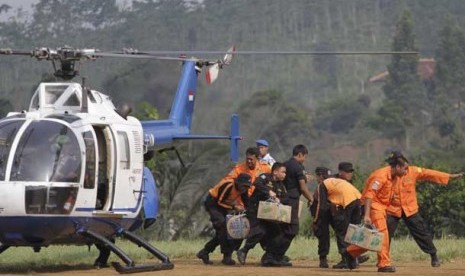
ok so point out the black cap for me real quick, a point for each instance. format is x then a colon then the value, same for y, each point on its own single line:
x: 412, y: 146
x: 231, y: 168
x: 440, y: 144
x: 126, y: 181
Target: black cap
x: 322, y: 171
x: 394, y: 156
x: 243, y: 179
x: 345, y: 166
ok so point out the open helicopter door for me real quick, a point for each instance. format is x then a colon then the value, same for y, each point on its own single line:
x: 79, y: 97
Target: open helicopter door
x: 127, y: 195
x: 105, y: 168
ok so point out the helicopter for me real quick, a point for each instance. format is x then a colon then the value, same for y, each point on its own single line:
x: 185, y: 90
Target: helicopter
x: 72, y: 166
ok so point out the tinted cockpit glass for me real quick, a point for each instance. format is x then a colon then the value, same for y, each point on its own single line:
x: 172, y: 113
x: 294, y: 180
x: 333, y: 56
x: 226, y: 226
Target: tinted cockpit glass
x: 47, y: 152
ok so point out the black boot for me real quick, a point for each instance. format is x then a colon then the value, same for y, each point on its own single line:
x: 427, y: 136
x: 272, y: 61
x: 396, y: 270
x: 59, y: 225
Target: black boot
x: 241, y: 256
x: 387, y: 269
x: 203, y: 255
x: 435, y: 260
x: 269, y: 259
x: 341, y: 265
x: 227, y: 260
x: 363, y: 258
x: 283, y: 260
x: 102, y: 258
x: 351, y: 261
x: 323, y: 262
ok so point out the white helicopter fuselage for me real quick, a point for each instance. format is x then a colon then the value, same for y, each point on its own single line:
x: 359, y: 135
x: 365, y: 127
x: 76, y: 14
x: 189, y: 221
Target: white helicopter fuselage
x: 63, y: 169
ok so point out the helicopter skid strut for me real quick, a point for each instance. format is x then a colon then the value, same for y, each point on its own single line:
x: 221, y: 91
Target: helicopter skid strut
x: 130, y: 266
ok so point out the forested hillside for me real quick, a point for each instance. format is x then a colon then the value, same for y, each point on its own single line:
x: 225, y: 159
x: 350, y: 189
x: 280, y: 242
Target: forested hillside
x: 325, y: 102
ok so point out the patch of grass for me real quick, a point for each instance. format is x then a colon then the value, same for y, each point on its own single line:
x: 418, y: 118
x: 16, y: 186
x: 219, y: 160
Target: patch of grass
x: 58, y: 258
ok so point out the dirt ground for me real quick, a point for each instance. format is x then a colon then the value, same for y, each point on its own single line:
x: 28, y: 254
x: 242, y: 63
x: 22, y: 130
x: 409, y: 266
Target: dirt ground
x: 194, y: 267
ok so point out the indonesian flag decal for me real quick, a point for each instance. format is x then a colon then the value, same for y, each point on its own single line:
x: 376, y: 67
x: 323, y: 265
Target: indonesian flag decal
x: 190, y: 94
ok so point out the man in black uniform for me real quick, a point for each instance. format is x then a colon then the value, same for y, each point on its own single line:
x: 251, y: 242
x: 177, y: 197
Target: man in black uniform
x: 224, y: 197
x: 337, y: 203
x: 322, y: 217
x: 267, y: 186
x: 296, y: 185
x: 346, y: 171
x: 338, y: 218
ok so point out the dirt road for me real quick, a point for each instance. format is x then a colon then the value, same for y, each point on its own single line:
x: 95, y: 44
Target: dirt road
x: 193, y: 267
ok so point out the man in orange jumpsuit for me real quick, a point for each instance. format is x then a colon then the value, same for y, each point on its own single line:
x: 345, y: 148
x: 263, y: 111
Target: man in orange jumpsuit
x: 382, y: 189
x: 377, y: 195
x: 253, y: 167
x: 404, y: 206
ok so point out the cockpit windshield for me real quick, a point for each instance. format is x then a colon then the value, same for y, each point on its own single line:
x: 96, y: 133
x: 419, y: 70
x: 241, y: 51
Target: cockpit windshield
x: 48, y: 151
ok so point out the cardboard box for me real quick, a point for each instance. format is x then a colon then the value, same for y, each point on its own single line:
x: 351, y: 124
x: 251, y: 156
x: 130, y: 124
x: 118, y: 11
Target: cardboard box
x: 364, y: 237
x: 273, y: 211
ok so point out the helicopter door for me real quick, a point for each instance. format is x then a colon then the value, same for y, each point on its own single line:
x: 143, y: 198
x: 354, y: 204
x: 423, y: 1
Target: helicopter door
x: 105, y: 166
x: 129, y: 165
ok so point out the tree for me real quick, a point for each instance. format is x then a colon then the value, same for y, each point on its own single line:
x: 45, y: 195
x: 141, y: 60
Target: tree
x: 405, y: 94
x: 449, y: 92
x: 341, y: 114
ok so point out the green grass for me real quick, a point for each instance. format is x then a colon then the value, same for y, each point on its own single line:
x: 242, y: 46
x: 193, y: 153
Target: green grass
x: 24, y: 260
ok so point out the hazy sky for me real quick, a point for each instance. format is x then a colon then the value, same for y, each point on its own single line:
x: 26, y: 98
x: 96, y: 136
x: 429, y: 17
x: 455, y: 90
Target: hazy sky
x: 19, y: 3
x: 26, y: 6
x: 16, y: 4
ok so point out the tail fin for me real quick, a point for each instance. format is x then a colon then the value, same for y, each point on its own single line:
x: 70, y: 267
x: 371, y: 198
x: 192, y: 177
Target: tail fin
x: 180, y: 118
x: 178, y: 125
x: 183, y: 103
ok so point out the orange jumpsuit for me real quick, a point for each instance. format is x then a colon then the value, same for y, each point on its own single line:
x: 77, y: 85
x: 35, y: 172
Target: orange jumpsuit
x: 404, y: 196
x: 226, y: 195
x: 259, y: 169
x: 378, y: 187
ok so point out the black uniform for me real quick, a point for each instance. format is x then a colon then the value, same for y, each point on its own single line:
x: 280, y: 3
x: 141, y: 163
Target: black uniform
x: 223, y: 198
x: 260, y: 230
x: 218, y: 219
x: 294, y: 172
x: 336, y: 216
x: 417, y: 228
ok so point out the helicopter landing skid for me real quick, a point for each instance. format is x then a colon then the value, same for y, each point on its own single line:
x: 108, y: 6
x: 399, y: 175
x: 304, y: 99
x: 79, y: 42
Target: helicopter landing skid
x: 141, y: 268
x: 130, y: 266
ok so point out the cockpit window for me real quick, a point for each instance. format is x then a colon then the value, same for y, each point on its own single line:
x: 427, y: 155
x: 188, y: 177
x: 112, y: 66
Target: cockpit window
x: 53, y: 92
x: 72, y: 100
x: 35, y: 101
x: 8, y: 130
x: 47, y: 152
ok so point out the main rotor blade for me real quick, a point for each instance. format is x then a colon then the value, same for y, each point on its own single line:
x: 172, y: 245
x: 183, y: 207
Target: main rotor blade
x: 142, y: 56
x: 87, y: 53
x: 279, y: 52
x: 8, y: 51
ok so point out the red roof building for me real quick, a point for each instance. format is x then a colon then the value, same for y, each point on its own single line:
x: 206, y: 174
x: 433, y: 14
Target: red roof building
x: 426, y: 67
